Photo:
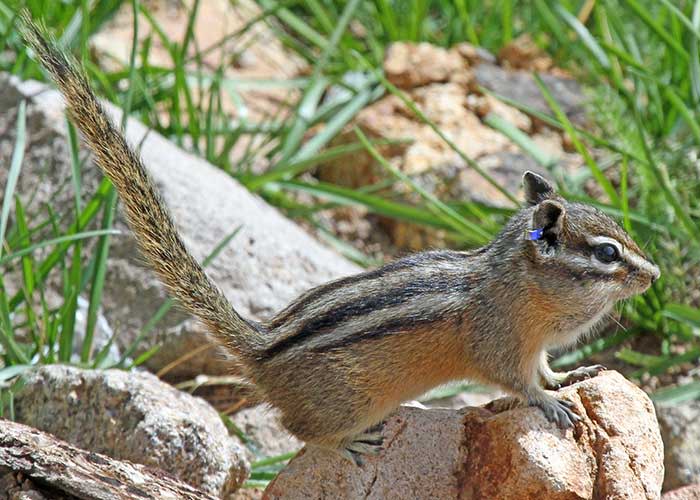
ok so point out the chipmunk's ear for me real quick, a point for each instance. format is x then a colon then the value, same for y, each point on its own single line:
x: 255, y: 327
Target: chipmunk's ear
x: 548, y: 222
x: 537, y: 188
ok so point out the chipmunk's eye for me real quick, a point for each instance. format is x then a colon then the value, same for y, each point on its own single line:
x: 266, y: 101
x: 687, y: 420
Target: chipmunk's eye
x: 606, y: 253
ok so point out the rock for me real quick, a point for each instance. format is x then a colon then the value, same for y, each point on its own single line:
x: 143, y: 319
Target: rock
x: 260, y: 424
x: 255, y: 53
x: 680, y: 430
x: 248, y: 494
x: 409, y: 65
x: 615, y: 452
x: 523, y: 53
x: 520, y: 86
x: 101, y: 336
x: 256, y: 273
x: 37, y: 466
x: 475, y: 55
x: 486, y: 104
x: 440, y: 83
x: 691, y: 492
x: 135, y: 417
x: 427, y: 158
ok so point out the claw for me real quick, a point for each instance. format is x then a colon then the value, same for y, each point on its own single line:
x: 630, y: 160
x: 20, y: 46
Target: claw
x: 582, y: 373
x: 375, y: 438
x: 558, y: 411
x: 367, y: 443
x: 504, y: 404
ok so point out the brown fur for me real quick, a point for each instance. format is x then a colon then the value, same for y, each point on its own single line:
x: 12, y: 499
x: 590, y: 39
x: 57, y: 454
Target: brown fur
x: 342, y: 356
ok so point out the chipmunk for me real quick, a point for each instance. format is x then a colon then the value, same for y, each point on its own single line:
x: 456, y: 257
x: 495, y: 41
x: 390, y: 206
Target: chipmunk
x: 341, y: 357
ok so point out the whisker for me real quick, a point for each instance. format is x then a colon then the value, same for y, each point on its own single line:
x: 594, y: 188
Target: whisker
x: 615, y: 320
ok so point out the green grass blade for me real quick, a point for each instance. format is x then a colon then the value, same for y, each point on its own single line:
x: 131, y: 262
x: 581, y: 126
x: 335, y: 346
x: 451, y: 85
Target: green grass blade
x: 588, y: 40
x: 293, y: 169
x: 374, y: 204
x: 13, y: 174
x: 683, y: 313
x: 695, y: 56
x: 146, y: 356
x: 676, y: 395
x: 334, y: 125
x: 28, y: 282
x: 551, y: 22
x: 668, y: 39
x: 578, y: 144
x: 296, y: 24
x: 57, y: 241
x: 667, y: 362
x: 345, y: 249
x: 599, y: 345
x: 128, y: 102
x: 98, y: 278
x: 304, y: 117
x: 521, y: 139
x: 317, y: 86
x: 75, y: 164
x: 266, y: 462
x: 685, y: 113
x: 624, y: 195
x: 10, y: 372
x: 65, y: 339
x: 85, y: 217
x: 692, y: 27
x: 452, y: 218
x: 668, y: 192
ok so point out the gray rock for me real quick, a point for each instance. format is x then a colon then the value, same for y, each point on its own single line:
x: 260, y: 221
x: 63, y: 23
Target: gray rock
x: 261, y: 424
x: 680, y: 431
x: 691, y: 492
x: 258, y: 273
x: 136, y: 417
x: 101, y: 335
x: 521, y: 87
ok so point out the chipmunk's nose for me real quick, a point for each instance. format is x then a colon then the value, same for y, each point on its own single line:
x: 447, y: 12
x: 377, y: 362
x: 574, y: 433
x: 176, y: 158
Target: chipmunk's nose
x: 655, y: 273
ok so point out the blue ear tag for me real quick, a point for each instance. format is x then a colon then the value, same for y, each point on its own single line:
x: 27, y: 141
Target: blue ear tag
x: 535, y: 234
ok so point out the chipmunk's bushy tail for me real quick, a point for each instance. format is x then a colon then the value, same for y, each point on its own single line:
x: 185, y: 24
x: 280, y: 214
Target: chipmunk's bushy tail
x: 147, y: 215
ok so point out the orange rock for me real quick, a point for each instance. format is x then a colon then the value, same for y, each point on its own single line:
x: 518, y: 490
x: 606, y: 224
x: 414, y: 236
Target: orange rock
x: 409, y: 65
x: 523, y: 53
x: 472, y: 453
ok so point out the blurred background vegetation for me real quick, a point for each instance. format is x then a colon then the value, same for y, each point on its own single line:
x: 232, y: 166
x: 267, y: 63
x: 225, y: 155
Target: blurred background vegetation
x: 638, y: 60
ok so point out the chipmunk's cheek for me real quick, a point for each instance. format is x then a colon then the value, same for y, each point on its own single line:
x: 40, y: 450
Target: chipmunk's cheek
x: 637, y: 282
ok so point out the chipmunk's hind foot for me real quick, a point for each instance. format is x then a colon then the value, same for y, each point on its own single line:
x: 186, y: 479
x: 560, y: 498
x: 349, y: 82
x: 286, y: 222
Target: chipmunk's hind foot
x: 367, y: 443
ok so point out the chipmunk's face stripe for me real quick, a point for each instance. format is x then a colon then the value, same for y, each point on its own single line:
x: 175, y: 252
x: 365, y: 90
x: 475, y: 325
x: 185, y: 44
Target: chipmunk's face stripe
x: 627, y: 256
x: 604, y: 267
x: 643, y: 264
x: 599, y: 240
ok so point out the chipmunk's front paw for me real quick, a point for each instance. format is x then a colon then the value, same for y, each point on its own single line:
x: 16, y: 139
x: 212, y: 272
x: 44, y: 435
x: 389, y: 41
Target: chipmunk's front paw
x: 581, y: 373
x: 557, y: 410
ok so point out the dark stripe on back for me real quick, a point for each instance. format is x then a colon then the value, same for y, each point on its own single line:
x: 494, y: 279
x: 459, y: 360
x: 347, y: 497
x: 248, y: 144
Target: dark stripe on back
x: 392, y: 326
x: 296, y: 309
x: 327, y: 322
